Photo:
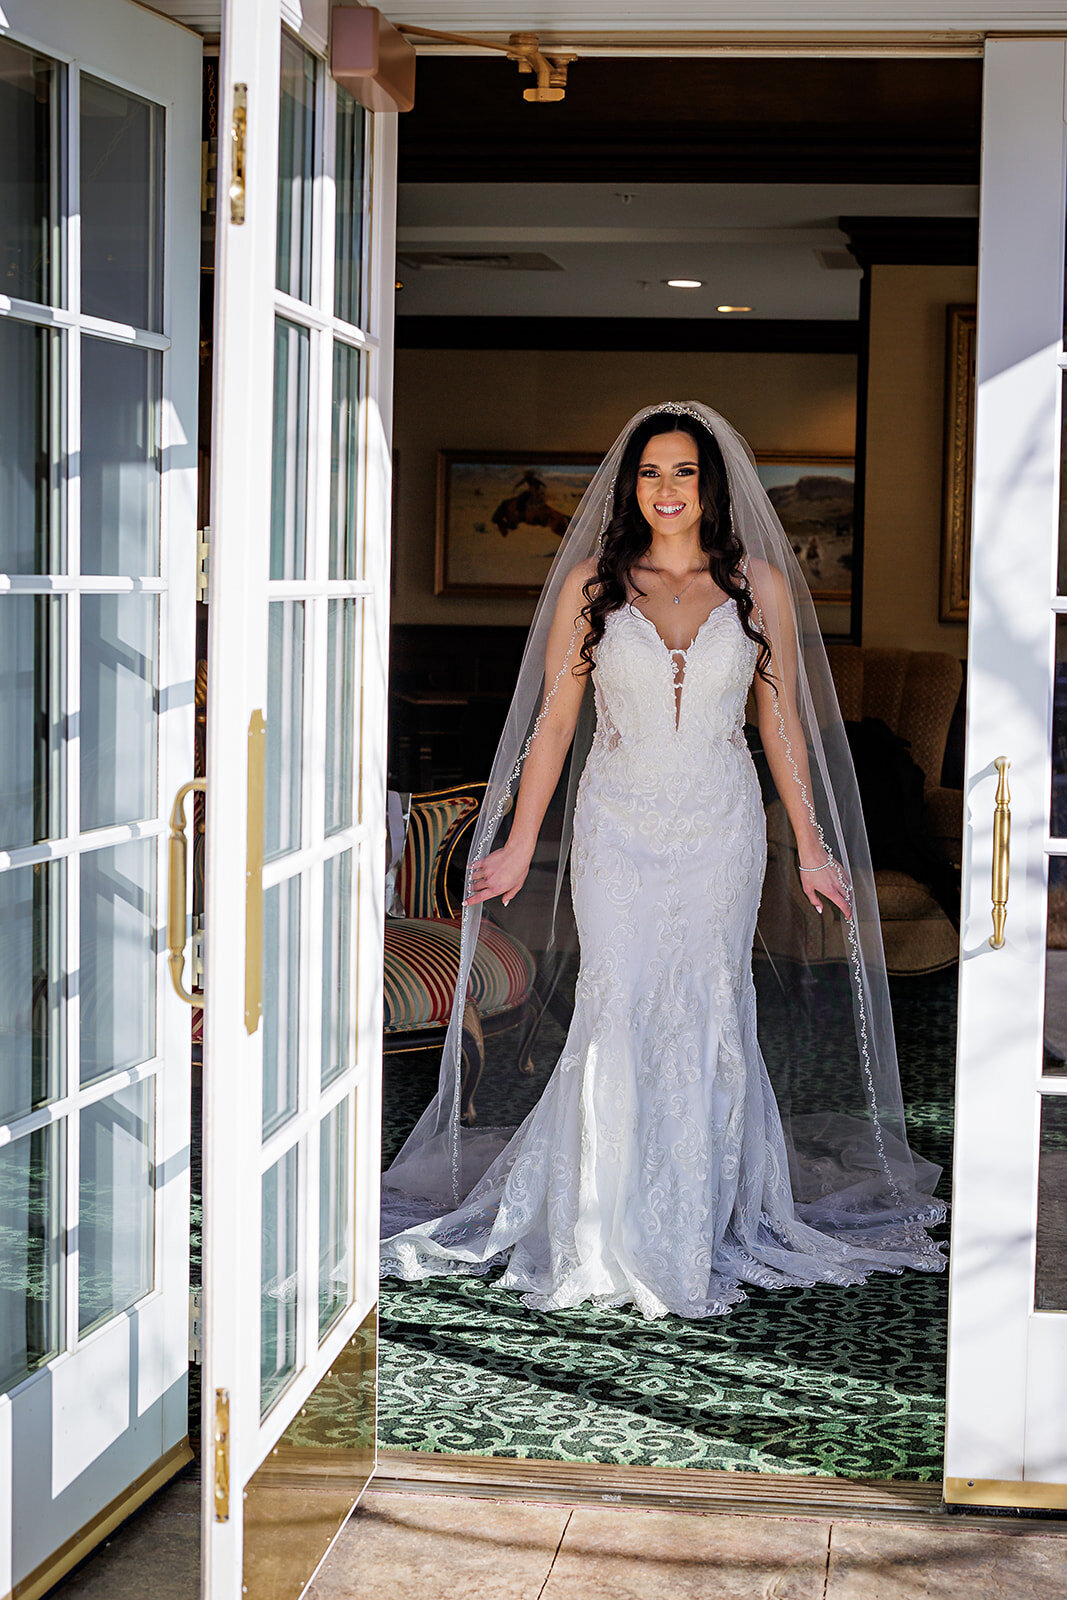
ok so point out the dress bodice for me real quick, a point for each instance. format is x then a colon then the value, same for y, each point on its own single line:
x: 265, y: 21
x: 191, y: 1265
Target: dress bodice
x: 677, y: 700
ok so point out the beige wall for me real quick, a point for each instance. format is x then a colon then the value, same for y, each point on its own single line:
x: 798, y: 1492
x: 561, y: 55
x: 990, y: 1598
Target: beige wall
x: 553, y: 400
x: 905, y: 423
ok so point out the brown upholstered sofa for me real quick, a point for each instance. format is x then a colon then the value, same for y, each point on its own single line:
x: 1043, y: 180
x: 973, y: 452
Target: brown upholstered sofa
x: 915, y: 693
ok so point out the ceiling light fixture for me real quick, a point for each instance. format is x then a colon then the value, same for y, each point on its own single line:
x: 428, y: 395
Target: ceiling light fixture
x: 683, y: 283
x: 733, y: 308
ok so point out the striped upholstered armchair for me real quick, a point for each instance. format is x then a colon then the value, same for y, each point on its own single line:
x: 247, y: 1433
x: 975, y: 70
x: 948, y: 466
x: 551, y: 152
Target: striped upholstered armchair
x: 422, y: 944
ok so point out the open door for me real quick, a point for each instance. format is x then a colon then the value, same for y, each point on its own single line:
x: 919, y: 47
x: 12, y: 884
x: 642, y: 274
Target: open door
x: 295, y: 804
x: 1007, y: 1380
x: 99, y: 151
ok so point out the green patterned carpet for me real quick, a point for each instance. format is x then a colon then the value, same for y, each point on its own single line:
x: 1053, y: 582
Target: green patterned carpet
x: 841, y: 1382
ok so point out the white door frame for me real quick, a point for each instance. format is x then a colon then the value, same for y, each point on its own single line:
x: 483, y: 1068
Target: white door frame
x: 87, y: 1437
x: 234, y: 1149
x: 1006, y: 1440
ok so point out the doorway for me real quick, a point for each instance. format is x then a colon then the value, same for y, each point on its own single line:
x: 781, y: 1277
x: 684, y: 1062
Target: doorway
x: 541, y: 313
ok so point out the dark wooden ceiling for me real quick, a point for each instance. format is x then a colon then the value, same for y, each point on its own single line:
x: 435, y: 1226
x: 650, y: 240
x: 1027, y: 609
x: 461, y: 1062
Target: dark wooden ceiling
x: 698, y: 120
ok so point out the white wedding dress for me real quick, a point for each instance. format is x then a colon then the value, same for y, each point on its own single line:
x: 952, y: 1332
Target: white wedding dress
x: 653, y: 1169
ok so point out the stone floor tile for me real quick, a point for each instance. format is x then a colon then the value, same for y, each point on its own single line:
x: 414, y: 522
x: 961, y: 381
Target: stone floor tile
x: 673, y: 1555
x: 898, y: 1561
x: 437, y: 1547
x: 157, y: 1553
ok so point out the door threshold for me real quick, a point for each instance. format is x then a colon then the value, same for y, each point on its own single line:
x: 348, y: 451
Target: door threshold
x: 661, y: 1488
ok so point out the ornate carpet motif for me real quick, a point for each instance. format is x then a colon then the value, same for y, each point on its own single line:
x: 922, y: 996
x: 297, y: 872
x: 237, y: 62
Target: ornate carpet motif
x: 844, y: 1382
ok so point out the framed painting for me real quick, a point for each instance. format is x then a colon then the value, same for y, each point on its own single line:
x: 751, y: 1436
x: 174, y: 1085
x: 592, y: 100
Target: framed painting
x: 959, y: 463
x: 814, y: 497
x: 501, y: 515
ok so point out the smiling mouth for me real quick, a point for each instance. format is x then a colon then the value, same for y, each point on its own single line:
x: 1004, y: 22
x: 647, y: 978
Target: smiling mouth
x: 669, y: 511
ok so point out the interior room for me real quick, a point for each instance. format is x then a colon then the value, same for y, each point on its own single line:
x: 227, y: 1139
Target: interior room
x: 794, y: 242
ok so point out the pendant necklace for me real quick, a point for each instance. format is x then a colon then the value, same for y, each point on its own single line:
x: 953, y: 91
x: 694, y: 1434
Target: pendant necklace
x: 677, y: 598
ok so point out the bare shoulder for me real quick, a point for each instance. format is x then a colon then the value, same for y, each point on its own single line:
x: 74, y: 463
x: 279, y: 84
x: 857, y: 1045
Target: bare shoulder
x: 766, y: 580
x: 571, y: 598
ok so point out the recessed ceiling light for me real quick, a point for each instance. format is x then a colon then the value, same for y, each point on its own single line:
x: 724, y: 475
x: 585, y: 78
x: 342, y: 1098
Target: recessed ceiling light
x: 683, y: 283
x: 733, y: 308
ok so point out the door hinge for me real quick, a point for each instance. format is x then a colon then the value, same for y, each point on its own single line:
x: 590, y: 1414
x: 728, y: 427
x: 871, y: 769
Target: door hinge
x: 196, y: 1344
x: 222, y: 1455
x: 203, y: 563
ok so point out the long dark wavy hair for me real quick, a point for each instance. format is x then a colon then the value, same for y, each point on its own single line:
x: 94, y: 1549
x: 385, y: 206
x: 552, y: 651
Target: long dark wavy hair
x: 628, y: 536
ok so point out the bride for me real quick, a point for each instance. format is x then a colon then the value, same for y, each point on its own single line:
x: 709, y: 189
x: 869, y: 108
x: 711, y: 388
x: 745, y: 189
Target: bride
x: 659, y: 1167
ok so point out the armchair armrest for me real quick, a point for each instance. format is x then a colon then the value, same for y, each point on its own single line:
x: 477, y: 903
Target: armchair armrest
x: 943, y: 817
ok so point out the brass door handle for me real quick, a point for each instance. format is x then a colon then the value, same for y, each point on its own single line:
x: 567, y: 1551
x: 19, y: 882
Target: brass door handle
x: 1001, y: 841
x: 257, y: 780
x: 176, y: 892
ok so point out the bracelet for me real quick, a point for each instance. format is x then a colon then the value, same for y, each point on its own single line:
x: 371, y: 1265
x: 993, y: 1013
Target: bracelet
x: 829, y: 862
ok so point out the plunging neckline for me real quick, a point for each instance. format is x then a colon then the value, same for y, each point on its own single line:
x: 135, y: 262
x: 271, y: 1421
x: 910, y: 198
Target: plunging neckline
x: 681, y: 649
x: 678, y: 669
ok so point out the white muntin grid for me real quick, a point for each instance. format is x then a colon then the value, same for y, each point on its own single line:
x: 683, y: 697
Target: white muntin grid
x: 62, y: 322
x: 347, y: 682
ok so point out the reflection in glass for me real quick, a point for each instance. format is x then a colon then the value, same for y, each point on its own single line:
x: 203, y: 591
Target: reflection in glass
x: 277, y: 1350
x: 1056, y: 968
x: 335, y: 1217
x: 336, y: 966
x: 31, y: 710
x: 116, y: 1190
x: 121, y: 206
x: 27, y: 444
x: 32, y: 970
x: 301, y: 1495
x: 120, y: 461
x: 27, y: 173
x: 117, y: 977
x: 119, y: 640
x: 340, y: 711
x: 1050, y: 1284
x: 296, y: 168
x: 30, y: 1221
x: 285, y: 725
x: 289, y: 458
x: 344, y: 463
x: 281, y: 1002
x: 348, y: 238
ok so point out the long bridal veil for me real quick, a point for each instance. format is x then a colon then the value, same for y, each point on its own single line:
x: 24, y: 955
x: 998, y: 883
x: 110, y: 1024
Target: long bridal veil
x: 825, y: 1024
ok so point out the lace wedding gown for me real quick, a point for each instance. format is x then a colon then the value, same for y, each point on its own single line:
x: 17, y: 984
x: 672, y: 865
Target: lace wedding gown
x: 653, y: 1169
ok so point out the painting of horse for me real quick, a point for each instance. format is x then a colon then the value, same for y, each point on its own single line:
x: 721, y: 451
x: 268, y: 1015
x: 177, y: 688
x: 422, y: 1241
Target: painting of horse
x: 501, y: 516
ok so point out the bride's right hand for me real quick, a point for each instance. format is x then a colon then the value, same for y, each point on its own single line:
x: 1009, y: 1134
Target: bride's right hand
x: 503, y: 873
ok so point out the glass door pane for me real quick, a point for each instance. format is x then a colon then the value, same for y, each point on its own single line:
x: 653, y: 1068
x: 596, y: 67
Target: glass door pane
x: 99, y: 177
x: 292, y: 1294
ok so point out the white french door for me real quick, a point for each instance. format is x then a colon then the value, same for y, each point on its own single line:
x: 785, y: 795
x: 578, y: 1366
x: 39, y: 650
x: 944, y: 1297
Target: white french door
x: 99, y: 136
x: 295, y: 804
x: 1007, y: 1380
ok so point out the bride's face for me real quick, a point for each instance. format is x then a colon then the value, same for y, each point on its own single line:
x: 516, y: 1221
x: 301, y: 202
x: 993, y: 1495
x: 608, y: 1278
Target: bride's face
x: 668, y: 484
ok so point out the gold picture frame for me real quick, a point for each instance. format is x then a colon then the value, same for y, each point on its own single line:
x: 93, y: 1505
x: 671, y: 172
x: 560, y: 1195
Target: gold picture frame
x: 501, y: 515
x: 960, y: 326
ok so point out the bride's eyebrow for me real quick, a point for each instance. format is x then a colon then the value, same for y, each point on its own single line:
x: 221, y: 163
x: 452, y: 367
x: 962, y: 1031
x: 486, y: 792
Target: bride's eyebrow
x: 677, y: 464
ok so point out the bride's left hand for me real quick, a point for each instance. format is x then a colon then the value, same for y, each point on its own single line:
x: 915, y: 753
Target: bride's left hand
x: 828, y: 883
